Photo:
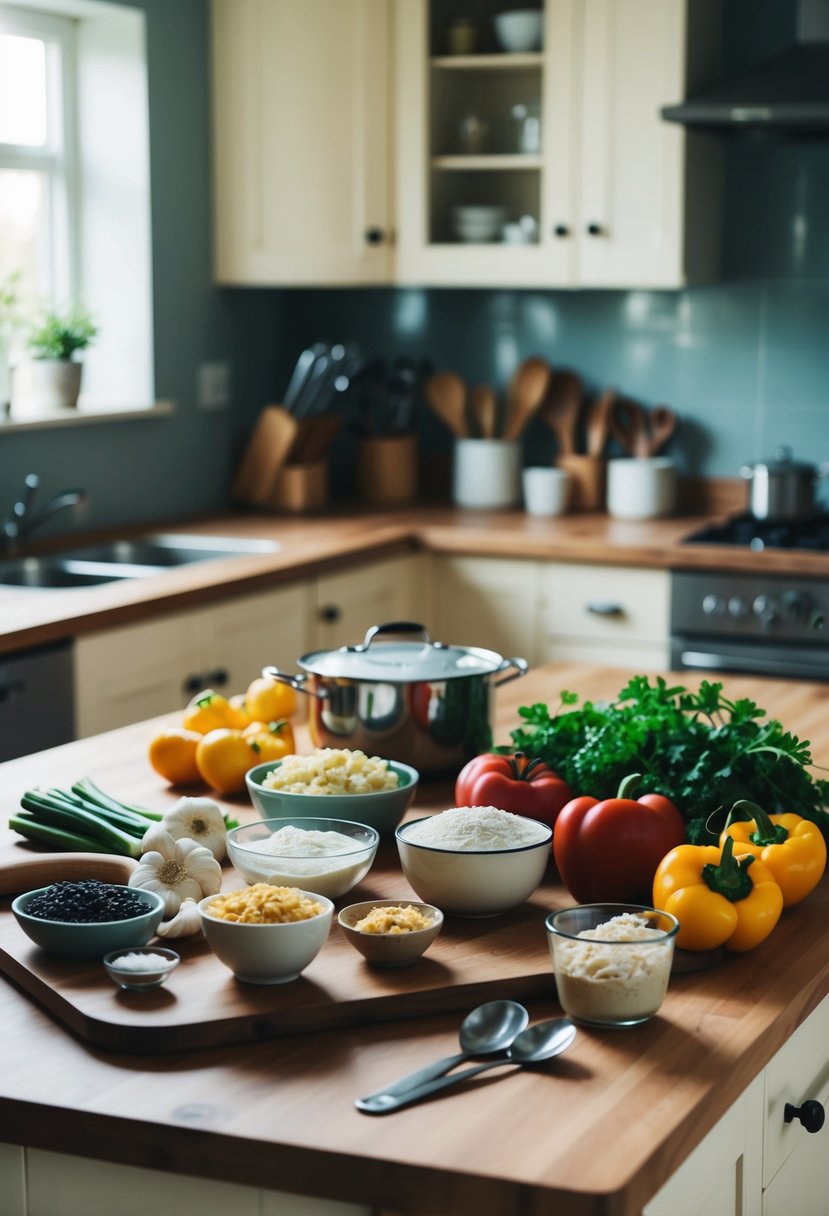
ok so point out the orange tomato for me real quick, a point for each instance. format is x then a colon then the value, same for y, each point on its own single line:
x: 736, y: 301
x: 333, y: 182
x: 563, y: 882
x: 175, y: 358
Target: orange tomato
x: 271, y: 740
x: 241, y: 716
x: 208, y: 711
x: 223, y: 757
x: 173, y: 756
x: 270, y: 700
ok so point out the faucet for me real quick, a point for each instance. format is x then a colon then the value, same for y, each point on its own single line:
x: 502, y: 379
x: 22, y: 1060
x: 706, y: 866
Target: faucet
x: 24, y: 519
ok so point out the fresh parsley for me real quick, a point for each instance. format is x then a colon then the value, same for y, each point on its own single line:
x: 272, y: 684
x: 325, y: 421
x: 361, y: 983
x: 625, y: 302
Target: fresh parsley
x: 700, y: 749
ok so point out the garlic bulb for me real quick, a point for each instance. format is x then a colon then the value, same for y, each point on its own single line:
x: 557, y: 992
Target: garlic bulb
x: 176, y: 869
x: 201, y: 819
x: 185, y: 923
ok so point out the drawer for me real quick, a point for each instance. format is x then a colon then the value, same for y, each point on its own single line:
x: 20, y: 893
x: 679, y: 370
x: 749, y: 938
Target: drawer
x: 799, y: 1071
x: 607, y: 603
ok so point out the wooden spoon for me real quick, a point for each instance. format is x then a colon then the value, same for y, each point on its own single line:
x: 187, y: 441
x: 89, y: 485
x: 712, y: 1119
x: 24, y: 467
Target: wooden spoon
x: 663, y: 424
x: 561, y: 408
x: 597, y: 425
x: 527, y: 389
x: 446, y: 394
x: 484, y: 410
x: 629, y: 426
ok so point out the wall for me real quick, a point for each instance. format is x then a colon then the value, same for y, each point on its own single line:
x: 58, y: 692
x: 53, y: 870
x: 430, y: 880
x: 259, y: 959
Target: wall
x: 743, y: 360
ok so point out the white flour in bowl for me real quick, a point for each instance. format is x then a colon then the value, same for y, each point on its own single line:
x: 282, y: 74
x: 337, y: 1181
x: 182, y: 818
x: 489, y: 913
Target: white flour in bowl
x: 474, y: 829
x: 327, y: 863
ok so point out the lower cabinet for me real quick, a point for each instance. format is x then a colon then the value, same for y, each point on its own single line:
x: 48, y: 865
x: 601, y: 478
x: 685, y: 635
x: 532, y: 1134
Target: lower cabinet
x: 131, y: 673
x: 489, y: 602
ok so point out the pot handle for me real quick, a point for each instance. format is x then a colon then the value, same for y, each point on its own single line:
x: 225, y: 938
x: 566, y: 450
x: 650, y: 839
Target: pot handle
x: 296, y: 682
x: 392, y: 627
x: 521, y: 668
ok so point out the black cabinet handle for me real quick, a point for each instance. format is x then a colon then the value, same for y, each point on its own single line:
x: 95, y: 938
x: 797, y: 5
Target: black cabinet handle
x: 375, y: 236
x: 219, y: 678
x: 594, y: 230
x: 330, y: 613
x: 600, y: 608
x: 561, y: 230
x: 192, y: 683
x: 811, y: 1114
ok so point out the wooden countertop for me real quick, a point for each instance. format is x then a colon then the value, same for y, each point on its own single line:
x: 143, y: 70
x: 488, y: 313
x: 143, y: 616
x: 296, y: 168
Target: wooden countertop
x: 314, y: 544
x: 596, y: 1132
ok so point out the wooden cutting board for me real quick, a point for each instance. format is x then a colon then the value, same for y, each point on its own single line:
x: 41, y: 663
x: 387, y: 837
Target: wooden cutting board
x: 203, y: 1005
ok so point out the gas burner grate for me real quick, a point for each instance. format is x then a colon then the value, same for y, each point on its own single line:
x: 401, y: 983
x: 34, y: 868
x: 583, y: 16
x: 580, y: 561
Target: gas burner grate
x: 758, y: 534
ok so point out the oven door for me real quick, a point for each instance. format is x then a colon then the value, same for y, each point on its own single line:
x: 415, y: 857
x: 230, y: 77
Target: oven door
x: 715, y: 655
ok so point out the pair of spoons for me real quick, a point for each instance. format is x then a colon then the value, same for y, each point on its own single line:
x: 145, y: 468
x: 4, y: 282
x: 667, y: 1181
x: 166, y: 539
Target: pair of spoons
x: 498, y: 1027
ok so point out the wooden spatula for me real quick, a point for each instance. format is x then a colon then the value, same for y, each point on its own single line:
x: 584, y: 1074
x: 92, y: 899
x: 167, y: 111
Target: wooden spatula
x: 597, y: 424
x: 527, y: 389
x: 663, y: 423
x: 446, y: 394
x: 629, y: 426
x: 561, y: 409
x: 484, y: 409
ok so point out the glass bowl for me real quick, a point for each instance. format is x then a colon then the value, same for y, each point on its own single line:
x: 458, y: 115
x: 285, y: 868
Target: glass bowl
x: 140, y: 978
x: 612, y: 962
x: 257, y: 859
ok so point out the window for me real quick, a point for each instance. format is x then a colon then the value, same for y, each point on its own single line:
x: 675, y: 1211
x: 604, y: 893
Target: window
x: 75, y: 180
x: 38, y: 200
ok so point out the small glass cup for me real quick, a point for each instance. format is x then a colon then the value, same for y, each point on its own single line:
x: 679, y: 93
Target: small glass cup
x: 603, y: 980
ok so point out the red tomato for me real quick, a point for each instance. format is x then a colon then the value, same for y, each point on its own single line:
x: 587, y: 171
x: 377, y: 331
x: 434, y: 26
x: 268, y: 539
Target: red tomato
x: 610, y: 850
x: 513, y: 783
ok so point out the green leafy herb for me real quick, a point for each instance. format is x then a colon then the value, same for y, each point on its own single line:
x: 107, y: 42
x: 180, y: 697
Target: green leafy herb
x: 700, y: 749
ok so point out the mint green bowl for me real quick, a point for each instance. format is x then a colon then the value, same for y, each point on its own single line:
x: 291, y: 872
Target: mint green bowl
x: 90, y: 940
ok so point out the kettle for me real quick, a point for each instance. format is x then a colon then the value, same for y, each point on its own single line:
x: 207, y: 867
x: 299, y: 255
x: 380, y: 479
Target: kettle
x: 783, y: 488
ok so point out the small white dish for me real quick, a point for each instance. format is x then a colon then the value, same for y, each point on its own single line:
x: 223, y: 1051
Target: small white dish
x: 139, y: 979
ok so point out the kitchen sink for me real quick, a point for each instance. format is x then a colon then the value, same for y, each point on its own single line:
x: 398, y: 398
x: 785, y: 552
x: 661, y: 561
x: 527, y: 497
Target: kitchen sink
x: 112, y: 561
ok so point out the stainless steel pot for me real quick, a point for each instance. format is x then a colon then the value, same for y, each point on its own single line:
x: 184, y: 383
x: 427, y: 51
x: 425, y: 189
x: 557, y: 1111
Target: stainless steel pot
x: 420, y: 702
x: 783, y: 488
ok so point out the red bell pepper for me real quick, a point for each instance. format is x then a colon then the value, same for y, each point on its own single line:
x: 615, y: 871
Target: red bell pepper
x: 610, y: 850
x: 513, y: 783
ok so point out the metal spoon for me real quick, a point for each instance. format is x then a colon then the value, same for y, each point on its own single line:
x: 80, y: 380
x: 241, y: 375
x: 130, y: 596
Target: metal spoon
x: 489, y: 1028
x: 540, y: 1042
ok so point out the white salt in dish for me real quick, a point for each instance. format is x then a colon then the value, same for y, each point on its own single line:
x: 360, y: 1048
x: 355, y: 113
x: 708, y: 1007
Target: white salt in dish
x: 142, y: 967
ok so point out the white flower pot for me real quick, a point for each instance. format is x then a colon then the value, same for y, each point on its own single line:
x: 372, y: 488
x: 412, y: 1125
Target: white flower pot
x: 42, y: 386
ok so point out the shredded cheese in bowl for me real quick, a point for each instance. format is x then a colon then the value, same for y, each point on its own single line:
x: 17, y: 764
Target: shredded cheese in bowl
x: 393, y: 919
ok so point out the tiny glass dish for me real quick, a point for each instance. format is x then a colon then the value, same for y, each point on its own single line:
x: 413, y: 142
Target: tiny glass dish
x: 141, y: 967
x: 388, y: 948
x: 612, y: 962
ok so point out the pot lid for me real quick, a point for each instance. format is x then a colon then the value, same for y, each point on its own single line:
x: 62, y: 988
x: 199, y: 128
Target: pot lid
x: 782, y: 462
x: 401, y: 662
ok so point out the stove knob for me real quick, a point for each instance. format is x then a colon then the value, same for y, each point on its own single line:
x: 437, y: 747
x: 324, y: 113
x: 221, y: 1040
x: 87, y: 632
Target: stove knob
x: 765, y: 608
x: 797, y: 607
x: 713, y: 605
x: 737, y: 607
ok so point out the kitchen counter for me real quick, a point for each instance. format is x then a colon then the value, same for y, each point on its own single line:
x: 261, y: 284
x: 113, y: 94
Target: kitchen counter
x: 317, y: 543
x: 595, y: 1133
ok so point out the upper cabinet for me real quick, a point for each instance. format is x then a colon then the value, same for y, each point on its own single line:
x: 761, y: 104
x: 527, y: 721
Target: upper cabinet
x: 301, y: 125
x: 547, y: 165
x: 581, y: 182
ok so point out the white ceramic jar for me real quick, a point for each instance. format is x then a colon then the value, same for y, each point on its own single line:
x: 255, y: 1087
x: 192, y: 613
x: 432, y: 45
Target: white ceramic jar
x: 640, y: 487
x: 486, y: 473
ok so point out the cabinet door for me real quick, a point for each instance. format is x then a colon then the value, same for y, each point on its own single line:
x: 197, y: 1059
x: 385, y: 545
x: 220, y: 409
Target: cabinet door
x: 301, y: 131
x: 241, y: 636
x: 126, y: 675
x: 489, y: 602
x: 350, y: 602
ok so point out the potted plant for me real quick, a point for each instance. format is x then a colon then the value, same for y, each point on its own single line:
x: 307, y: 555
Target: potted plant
x: 53, y: 342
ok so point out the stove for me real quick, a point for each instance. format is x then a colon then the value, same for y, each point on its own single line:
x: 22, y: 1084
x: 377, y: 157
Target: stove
x: 763, y: 624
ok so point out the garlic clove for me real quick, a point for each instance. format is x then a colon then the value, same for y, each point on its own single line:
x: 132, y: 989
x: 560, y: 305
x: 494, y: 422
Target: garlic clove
x: 185, y: 923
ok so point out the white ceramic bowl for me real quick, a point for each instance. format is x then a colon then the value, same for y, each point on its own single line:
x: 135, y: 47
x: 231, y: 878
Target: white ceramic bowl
x: 630, y: 984
x: 267, y: 954
x: 390, y: 949
x: 520, y: 31
x: 469, y: 883
x: 477, y: 224
x: 381, y: 810
x: 323, y: 874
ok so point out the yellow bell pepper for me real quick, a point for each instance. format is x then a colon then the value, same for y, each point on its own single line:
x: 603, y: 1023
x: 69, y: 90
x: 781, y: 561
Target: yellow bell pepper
x: 209, y: 710
x: 223, y: 757
x: 718, y: 898
x: 270, y: 740
x: 791, y: 847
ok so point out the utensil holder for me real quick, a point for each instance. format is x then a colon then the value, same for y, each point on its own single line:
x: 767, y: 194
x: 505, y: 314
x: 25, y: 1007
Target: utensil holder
x: 641, y: 487
x: 301, y: 488
x: 587, y: 481
x: 387, y: 469
x: 486, y: 473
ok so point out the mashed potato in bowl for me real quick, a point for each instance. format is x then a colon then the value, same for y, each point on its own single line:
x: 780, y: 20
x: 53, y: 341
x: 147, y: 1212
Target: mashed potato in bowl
x: 332, y: 770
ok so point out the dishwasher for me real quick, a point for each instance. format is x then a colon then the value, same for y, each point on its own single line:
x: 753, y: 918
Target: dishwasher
x: 37, y: 698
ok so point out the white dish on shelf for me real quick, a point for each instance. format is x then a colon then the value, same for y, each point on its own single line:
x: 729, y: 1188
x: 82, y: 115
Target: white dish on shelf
x: 478, y: 223
x: 520, y: 31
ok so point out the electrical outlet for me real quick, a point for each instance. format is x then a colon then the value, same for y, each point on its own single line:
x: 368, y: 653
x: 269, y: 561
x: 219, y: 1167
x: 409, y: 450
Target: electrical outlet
x: 214, y: 386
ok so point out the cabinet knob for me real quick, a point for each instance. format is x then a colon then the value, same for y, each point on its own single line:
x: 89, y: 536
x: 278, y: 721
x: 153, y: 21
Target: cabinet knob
x: 375, y: 236
x: 192, y: 684
x: 219, y: 678
x: 561, y: 230
x: 600, y: 608
x: 330, y: 613
x: 811, y: 1114
x: 595, y: 230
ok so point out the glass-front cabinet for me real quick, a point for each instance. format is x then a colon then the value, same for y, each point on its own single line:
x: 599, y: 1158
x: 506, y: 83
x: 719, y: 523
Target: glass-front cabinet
x: 530, y: 148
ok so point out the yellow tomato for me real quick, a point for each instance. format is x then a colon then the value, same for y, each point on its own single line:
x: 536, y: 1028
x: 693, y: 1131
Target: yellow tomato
x: 173, y: 756
x: 270, y: 700
x: 241, y: 716
x: 223, y: 757
x: 271, y: 740
x: 208, y: 711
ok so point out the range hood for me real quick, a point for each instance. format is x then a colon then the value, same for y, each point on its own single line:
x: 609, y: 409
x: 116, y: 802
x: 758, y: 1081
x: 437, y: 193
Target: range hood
x: 786, y: 95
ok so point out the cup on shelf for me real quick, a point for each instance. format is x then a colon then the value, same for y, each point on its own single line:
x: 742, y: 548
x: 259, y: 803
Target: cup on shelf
x: 640, y: 487
x: 545, y: 490
x: 462, y: 37
x: 486, y: 473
